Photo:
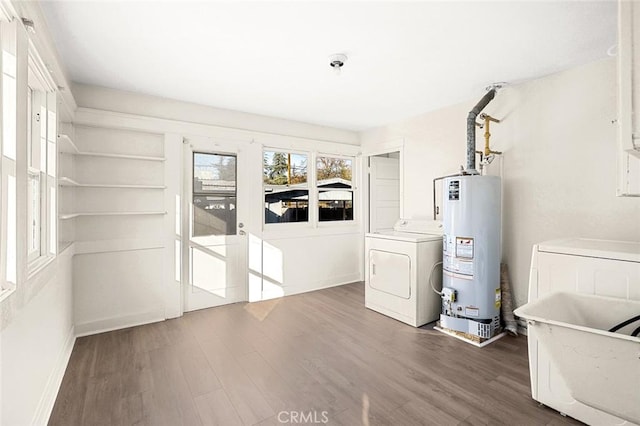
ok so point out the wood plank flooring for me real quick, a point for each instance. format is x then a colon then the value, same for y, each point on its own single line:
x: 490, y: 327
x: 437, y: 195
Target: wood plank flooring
x: 319, y: 357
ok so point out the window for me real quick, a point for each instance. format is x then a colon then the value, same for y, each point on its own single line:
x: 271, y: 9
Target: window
x: 41, y: 173
x: 286, y: 189
x: 214, y: 194
x: 335, y: 188
x: 8, y: 167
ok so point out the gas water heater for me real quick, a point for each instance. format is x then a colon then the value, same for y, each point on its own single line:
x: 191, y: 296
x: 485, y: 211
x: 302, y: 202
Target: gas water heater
x: 471, y: 255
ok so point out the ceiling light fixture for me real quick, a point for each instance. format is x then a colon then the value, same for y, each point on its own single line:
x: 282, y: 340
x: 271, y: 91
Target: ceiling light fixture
x: 337, y: 62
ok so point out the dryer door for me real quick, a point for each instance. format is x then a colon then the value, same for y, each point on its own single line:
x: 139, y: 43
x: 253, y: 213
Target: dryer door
x: 390, y: 272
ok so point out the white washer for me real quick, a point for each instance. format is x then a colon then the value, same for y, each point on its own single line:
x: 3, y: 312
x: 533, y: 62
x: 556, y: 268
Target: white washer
x: 398, y: 264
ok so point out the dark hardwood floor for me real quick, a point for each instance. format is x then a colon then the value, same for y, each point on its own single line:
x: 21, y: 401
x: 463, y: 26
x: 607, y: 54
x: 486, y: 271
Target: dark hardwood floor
x: 319, y: 357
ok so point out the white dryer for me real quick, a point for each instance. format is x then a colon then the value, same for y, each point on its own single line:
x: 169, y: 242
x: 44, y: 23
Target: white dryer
x: 398, y: 264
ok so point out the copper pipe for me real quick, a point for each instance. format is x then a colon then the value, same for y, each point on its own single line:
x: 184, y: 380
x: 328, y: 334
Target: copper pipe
x: 487, y: 134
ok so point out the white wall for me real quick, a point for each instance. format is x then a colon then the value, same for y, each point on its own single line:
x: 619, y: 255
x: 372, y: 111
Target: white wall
x: 559, y: 161
x: 151, y: 106
x: 36, y: 320
x: 301, y: 257
x: 35, y: 347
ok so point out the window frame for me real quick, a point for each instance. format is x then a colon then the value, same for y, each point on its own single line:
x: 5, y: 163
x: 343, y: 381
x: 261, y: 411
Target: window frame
x: 9, y: 256
x: 308, y: 187
x: 41, y: 139
x: 312, y: 187
x: 353, y: 189
x: 195, y: 193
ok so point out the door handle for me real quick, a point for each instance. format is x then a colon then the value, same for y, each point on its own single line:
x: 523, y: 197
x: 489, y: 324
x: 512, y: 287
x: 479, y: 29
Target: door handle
x: 373, y: 269
x: 241, y: 232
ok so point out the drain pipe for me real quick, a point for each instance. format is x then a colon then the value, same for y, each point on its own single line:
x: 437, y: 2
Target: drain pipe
x: 471, y: 130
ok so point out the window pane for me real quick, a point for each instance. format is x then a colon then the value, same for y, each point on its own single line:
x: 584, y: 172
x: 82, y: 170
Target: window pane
x: 53, y: 226
x: 214, y: 173
x: 214, y: 215
x: 42, y: 151
x: 335, y: 172
x: 9, y: 116
x: 286, y: 205
x: 51, y: 159
x: 335, y: 205
x: 214, y: 194
x: 12, y: 249
x: 9, y: 63
x: 286, y: 194
x: 284, y: 168
x: 33, y: 213
x: 335, y: 195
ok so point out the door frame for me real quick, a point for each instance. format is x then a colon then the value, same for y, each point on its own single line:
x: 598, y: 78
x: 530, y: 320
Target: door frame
x: 381, y: 149
x: 211, y: 146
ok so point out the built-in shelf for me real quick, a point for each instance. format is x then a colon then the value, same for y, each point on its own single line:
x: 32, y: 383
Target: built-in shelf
x: 65, y: 181
x: 118, y: 156
x: 66, y: 145
x: 65, y: 216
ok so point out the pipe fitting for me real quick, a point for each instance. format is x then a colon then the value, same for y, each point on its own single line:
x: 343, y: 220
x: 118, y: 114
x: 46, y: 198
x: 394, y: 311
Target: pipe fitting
x: 471, y: 130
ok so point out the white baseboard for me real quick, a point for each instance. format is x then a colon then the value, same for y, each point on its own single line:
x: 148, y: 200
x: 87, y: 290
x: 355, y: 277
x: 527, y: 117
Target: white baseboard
x: 48, y: 399
x: 117, y: 323
x: 322, y: 284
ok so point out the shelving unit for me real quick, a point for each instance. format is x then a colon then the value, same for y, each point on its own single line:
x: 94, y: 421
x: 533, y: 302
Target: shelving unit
x: 66, y: 145
x: 118, y: 156
x: 66, y: 216
x: 106, y: 173
x: 66, y: 181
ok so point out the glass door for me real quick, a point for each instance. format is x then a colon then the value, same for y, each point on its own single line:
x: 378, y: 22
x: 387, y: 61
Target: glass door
x: 214, y: 199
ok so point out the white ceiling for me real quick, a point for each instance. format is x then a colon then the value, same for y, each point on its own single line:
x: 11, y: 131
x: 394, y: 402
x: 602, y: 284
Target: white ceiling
x: 271, y: 58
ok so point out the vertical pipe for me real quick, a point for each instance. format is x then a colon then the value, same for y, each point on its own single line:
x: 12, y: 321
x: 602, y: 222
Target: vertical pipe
x: 471, y: 130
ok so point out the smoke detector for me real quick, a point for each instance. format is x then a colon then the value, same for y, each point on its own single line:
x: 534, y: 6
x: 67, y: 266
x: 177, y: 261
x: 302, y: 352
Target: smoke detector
x: 337, y: 62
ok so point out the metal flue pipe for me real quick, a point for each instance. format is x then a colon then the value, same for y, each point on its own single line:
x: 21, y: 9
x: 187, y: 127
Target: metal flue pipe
x: 471, y: 130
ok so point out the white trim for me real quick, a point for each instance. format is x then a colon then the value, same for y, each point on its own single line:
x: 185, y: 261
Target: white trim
x: 40, y: 69
x: 124, y: 121
x: 322, y: 284
x: 119, y: 322
x: 7, y: 11
x: 109, y: 246
x: 7, y: 291
x: 48, y: 398
x: 42, y: 43
x: 379, y: 149
x: 384, y: 147
x: 40, y: 263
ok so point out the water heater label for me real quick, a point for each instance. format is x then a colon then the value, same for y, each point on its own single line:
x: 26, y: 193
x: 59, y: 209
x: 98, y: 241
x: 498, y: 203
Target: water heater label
x: 454, y: 190
x: 471, y: 311
x: 458, y: 267
x: 464, y: 247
